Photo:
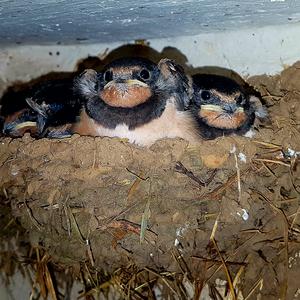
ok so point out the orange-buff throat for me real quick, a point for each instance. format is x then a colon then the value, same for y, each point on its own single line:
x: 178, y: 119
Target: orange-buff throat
x: 222, y: 120
x: 128, y: 94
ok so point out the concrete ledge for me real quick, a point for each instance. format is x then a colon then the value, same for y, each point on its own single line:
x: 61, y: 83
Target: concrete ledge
x: 249, y: 52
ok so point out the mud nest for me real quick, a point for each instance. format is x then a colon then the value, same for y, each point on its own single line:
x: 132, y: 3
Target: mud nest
x: 219, y: 218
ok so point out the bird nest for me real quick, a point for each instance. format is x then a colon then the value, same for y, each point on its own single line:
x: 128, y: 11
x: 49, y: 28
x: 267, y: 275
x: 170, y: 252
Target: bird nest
x: 219, y: 218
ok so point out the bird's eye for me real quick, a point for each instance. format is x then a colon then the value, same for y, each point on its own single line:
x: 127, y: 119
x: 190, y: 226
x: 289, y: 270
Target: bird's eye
x: 205, y: 95
x: 145, y: 74
x: 108, y: 75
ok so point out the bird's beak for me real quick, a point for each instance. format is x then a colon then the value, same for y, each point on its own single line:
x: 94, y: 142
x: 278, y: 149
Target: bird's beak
x: 211, y: 107
x: 25, y: 124
x: 136, y: 82
x: 128, y: 82
x: 218, y: 108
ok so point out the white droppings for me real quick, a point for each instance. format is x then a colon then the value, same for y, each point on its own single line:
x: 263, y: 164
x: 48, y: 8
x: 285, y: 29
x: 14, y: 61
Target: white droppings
x: 249, y: 134
x: 242, y: 157
x: 181, y: 230
x: 233, y: 149
x: 151, y: 254
x: 245, y: 214
x: 179, y: 233
x: 292, y: 153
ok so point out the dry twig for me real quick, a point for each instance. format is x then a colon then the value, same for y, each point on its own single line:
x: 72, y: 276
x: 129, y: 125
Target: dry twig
x: 180, y: 168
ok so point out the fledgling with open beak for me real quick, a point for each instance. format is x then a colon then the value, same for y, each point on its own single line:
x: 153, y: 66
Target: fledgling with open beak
x: 49, y: 111
x: 221, y: 106
x: 136, y: 99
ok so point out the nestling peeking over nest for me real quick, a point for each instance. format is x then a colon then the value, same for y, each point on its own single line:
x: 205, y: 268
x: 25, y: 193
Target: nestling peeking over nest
x: 138, y: 100
x: 221, y: 106
x: 49, y: 108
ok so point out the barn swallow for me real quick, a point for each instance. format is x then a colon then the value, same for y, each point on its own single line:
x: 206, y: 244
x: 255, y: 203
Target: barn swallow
x: 136, y: 99
x: 49, y: 108
x: 221, y: 106
x: 20, y: 122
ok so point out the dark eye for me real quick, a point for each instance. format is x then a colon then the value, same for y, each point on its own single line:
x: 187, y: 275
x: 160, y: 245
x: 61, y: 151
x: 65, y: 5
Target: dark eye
x: 108, y: 75
x: 240, y: 100
x: 205, y: 95
x: 145, y: 74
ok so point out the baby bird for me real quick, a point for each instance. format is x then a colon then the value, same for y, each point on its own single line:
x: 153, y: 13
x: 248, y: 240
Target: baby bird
x: 136, y: 99
x: 47, y: 110
x: 223, y: 107
x: 20, y: 122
